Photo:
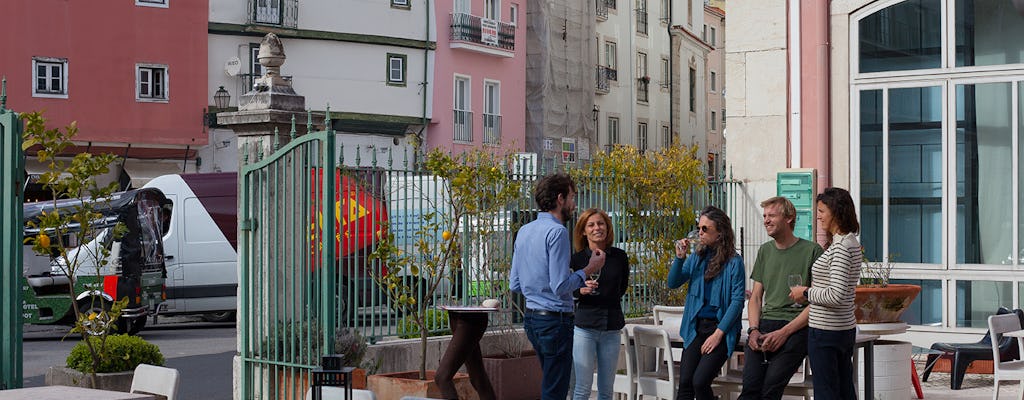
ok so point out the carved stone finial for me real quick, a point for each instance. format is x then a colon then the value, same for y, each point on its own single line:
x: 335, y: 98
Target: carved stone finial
x: 271, y: 57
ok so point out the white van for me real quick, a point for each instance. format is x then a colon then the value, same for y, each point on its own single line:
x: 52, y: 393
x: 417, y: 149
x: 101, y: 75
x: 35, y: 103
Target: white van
x: 201, y: 247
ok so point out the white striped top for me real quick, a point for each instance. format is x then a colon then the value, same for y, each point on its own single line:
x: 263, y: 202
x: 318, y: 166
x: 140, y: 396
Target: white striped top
x: 834, y: 278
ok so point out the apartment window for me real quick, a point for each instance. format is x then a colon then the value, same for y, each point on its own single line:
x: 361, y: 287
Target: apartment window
x: 641, y: 16
x: 714, y: 121
x: 643, y: 80
x: 613, y: 130
x: 714, y: 77
x: 689, y: 13
x: 462, y: 7
x: 666, y: 137
x: 693, y: 89
x: 641, y: 136
x: 664, y: 11
x: 151, y: 82
x: 664, y: 72
x: 704, y: 34
x: 492, y: 112
x: 641, y: 65
x: 404, y: 4
x: 396, y: 69
x: 611, y: 4
x: 610, y: 54
x: 269, y: 11
x: 513, y: 14
x: 711, y: 40
x: 255, y: 69
x: 50, y: 76
x: 463, y: 117
x: 492, y: 9
x: 152, y: 3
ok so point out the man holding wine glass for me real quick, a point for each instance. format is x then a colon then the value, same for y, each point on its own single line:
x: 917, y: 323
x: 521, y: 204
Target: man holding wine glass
x: 777, y: 336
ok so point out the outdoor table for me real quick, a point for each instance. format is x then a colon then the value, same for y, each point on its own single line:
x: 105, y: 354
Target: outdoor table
x: 468, y: 326
x: 69, y: 392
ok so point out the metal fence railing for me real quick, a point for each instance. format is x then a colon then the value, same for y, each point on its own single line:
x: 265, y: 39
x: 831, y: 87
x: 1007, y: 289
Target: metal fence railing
x: 463, y: 126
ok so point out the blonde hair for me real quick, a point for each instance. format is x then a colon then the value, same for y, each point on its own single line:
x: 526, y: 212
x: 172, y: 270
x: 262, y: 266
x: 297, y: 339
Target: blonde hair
x: 788, y: 209
x: 579, y: 233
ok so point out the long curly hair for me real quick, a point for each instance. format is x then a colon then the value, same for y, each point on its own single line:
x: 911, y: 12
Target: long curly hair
x: 724, y: 247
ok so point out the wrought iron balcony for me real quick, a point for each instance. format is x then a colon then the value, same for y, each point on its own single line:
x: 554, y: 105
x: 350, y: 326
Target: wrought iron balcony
x: 283, y: 13
x: 483, y: 31
x: 602, y: 9
x: 642, y: 85
x: 492, y: 129
x: 602, y: 79
x: 463, y: 126
x: 610, y: 4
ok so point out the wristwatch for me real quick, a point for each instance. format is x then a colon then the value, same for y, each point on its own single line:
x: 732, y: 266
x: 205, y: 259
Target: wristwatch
x: 752, y: 329
x: 805, y: 294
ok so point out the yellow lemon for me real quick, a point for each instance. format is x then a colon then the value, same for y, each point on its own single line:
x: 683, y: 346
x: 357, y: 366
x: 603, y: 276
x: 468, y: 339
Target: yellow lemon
x: 446, y: 235
x: 44, y: 240
x: 92, y: 316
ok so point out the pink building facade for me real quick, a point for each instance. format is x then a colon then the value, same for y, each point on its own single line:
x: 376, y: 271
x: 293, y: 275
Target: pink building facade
x: 131, y: 73
x: 479, y: 76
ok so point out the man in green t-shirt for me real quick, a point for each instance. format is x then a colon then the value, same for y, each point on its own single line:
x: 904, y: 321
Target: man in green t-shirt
x: 777, y: 341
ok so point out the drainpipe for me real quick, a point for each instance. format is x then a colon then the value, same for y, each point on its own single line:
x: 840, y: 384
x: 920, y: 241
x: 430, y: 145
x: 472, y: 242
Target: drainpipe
x: 420, y: 140
x: 671, y: 80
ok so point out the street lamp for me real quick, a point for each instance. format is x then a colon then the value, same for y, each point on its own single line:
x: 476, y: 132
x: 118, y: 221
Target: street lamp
x: 221, y: 98
x: 597, y: 112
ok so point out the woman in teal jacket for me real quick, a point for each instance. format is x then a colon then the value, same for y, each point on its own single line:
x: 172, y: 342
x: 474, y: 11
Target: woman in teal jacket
x: 711, y: 320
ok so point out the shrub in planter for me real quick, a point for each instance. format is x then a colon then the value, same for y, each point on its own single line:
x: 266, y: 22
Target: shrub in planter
x: 118, y: 353
x: 436, y: 320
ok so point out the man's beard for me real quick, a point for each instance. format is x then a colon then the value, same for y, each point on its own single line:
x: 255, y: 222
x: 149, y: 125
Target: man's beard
x: 567, y: 215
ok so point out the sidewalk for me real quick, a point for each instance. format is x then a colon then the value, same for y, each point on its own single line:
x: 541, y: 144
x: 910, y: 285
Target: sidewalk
x: 975, y: 387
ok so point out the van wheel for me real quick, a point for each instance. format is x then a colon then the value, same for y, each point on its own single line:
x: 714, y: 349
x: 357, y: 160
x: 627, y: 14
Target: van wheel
x: 223, y: 316
x: 131, y: 326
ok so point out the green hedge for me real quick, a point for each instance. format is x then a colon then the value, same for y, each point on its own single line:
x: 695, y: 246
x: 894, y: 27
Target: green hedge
x: 121, y: 353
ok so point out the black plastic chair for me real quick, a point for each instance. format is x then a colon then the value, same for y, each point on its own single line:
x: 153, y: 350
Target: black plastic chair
x: 963, y: 354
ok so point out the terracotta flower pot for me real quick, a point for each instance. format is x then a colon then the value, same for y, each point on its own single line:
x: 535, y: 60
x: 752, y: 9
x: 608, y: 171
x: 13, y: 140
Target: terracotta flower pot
x: 395, y: 385
x: 876, y: 304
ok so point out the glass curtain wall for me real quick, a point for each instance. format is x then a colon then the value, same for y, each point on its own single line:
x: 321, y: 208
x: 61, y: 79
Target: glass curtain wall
x: 938, y: 121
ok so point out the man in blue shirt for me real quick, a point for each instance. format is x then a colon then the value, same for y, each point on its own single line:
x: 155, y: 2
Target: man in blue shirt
x: 540, y: 271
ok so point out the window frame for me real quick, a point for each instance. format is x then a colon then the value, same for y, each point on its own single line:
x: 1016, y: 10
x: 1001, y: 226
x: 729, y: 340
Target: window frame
x: 153, y: 3
x: 466, y: 95
x: 641, y: 136
x: 165, y: 76
x: 389, y: 77
x: 268, y: 11
x: 401, y: 4
x: 714, y: 78
x: 614, y: 137
x: 513, y: 14
x: 50, y: 62
x: 492, y: 10
x: 611, y: 58
x: 714, y: 120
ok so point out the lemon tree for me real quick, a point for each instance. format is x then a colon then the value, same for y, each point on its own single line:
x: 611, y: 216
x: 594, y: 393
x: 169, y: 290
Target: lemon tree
x: 475, y: 186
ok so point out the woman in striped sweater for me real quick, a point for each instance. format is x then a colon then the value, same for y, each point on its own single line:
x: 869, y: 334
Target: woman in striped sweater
x: 834, y: 276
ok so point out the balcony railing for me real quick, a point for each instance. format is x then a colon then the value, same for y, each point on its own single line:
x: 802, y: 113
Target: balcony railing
x: 610, y: 4
x: 602, y: 79
x: 641, y: 21
x: 283, y: 13
x: 602, y: 9
x: 488, y: 32
x: 463, y: 123
x: 641, y: 89
x: 612, y: 73
x: 492, y: 129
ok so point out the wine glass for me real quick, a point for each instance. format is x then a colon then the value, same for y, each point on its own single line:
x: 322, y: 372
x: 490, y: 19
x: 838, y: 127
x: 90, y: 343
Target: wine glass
x: 795, y: 280
x: 594, y: 276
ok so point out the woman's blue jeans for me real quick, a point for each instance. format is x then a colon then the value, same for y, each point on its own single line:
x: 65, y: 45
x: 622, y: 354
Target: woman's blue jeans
x: 594, y: 348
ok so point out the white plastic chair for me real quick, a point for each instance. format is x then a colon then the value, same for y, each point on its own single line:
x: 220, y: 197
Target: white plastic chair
x: 624, y: 385
x: 1005, y: 370
x: 338, y: 393
x: 670, y: 318
x: 151, y: 379
x: 654, y: 378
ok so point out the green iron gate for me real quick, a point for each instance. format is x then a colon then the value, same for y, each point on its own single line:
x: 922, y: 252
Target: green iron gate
x: 12, y: 165
x: 287, y: 314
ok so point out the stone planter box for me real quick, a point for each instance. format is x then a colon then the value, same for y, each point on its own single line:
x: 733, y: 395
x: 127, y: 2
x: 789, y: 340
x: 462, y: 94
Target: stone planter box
x: 116, y: 381
x: 515, y: 378
x: 394, y: 386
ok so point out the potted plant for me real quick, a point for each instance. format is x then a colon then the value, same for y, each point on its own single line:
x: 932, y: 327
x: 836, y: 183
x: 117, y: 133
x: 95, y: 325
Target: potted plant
x: 100, y: 352
x: 878, y: 301
x: 514, y: 372
x: 469, y: 186
x: 351, y: 345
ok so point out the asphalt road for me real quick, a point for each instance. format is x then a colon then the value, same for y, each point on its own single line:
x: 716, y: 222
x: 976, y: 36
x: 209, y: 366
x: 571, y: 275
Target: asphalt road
x: 200, y: 351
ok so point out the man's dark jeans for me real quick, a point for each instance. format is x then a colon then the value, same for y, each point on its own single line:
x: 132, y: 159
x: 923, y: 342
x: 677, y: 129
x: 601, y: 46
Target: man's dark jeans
x: 768, y: 379
x: 551, y: 336
x: 831, y: 354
